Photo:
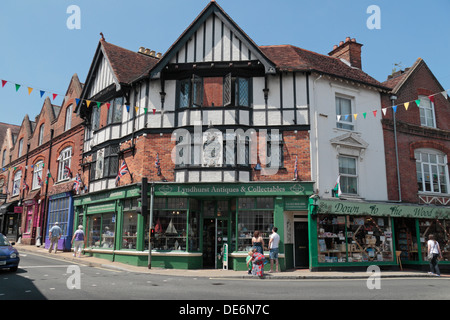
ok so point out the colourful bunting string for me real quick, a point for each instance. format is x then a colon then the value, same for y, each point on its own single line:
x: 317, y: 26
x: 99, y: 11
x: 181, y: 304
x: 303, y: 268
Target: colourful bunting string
x: 108, y: 105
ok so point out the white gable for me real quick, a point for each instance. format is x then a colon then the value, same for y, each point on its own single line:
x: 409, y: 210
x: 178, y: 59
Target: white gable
x: 213, y: 41
x: 103, y: 77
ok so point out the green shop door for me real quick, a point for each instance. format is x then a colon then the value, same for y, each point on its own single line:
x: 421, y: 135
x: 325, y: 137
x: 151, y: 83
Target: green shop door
x: 215, y: 236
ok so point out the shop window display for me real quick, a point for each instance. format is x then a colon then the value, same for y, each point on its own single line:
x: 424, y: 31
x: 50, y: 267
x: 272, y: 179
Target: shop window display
x: 354, y: 239
x: 129, y: 230
x: 254, y: 214
x: 101, y: 230
x: 170, y: 224
x: 331, y: 238
x: 441, y: 231
x: 369, y: 238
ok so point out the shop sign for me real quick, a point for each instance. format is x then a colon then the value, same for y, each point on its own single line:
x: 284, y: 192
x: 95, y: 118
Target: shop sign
x: 382, y: 209
x: 18, y: 209
x: 100, y: 208
x: 295, y: 203
x: 252, y: 189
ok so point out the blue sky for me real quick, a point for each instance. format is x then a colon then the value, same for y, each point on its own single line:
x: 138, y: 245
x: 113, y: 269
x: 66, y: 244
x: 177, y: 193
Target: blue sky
x: 38, y: 50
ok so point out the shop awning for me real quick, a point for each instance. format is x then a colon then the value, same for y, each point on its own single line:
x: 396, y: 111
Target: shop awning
x: 341, y: 207
x: 7, y: 207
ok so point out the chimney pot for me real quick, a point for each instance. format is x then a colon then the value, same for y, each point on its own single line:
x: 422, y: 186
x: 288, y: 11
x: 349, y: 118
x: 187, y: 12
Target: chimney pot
x: 159, y: 55
x: 335, y: 47
x: 350, y: 50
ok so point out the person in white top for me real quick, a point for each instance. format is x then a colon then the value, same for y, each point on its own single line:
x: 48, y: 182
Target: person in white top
x: 273, y: 246
x: 435, y: 250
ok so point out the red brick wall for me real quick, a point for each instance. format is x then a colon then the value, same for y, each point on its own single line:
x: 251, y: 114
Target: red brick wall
x: 410, y: 134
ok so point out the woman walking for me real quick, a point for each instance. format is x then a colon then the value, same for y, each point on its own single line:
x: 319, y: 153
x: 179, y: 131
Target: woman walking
x: 435, y: 251
x: 78, y: 240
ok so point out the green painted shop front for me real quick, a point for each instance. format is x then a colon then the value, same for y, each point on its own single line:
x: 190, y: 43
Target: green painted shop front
x: 349, y: 234
x: 194, y: 225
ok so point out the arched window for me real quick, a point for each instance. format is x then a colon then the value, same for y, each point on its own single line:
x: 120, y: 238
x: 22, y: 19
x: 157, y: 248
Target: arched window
x: 37, y: 175
x: 16, y: 183
x: 64, y: 171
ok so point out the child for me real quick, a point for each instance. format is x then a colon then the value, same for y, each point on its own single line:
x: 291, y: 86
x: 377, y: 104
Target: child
x: 249, y: 262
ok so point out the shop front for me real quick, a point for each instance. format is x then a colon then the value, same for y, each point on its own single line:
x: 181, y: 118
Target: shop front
x: 347, y: 234
x: 194, y: 225
x: 60, y: 209
x: 9, y: 220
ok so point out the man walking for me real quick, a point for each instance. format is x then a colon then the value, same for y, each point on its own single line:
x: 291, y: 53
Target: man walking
x: 273, y: 246
x: 54, y: 235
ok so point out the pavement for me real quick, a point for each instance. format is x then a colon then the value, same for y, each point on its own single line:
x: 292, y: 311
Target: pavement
x: 216, y: 273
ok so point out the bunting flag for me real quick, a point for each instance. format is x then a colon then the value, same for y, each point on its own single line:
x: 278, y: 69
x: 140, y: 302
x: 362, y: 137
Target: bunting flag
x: 123, y: 170
x: 157, y: 165
x: 77, y: 183
x: 337, y: 187
x: 25, y: 186
x: 146, y: 108
x: 67, y: 172
x: 40, y: 183
x: 295, y: 169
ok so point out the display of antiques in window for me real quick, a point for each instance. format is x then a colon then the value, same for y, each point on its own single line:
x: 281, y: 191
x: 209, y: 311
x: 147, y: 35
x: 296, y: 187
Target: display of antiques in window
x: 354, y: 239
x: 255, y: 214
x: 441, y: 231
x: 101, y: 230
x: 172, y: 230
x: 129, y: 235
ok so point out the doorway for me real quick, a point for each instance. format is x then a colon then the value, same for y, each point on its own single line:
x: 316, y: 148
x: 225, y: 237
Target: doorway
x: 301, y: 250
x: 215, y: 232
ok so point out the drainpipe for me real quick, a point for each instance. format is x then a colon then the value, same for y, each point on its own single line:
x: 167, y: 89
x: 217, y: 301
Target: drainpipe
x: 316, y: 132
x: 393, y: 98
x: 46, y: 202
x: 150, y: 224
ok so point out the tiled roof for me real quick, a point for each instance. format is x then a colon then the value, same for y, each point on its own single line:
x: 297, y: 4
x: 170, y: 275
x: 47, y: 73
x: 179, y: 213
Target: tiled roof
x: 127, y: 65
x: 291, y: 58
x: 396, y: 80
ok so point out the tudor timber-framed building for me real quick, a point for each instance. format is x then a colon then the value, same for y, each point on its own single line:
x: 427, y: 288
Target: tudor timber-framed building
x: 197, y: 112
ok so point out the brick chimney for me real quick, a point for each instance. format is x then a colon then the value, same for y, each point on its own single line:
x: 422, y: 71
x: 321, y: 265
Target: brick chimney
x: 349, y: 50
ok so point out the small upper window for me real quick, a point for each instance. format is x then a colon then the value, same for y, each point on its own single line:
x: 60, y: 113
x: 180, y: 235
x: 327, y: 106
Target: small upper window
x: 41, y: 134
x: 68, y: 123
x: 344, y: 113
x: 20, y: 148
x: 426, y: 108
